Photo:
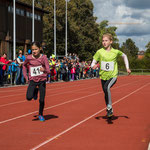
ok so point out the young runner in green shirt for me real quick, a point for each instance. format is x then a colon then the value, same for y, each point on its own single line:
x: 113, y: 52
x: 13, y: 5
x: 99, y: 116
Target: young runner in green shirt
x: 107, y: 58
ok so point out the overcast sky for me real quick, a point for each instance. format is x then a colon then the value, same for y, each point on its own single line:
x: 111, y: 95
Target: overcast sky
x: 131, y: 17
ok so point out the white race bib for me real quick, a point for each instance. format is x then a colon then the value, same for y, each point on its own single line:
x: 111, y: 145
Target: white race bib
x: 107, y: 66
x: 35, y: 71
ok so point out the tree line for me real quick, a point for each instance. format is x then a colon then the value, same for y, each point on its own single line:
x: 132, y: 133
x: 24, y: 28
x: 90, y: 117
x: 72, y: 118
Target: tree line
x: 84, y: 33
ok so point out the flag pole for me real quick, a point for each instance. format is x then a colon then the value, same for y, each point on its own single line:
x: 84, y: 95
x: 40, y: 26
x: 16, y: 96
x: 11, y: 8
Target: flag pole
x: 32, y: 20
x: 55, y: 28
x: 66, y: 32
x: 14, y: 29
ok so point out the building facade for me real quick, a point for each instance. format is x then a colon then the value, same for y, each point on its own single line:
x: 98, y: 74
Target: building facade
x: 141, y: 54
x: 23, y: 26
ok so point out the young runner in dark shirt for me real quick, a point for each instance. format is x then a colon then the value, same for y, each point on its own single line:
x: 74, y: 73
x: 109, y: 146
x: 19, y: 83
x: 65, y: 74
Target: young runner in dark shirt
x: 38, y: 66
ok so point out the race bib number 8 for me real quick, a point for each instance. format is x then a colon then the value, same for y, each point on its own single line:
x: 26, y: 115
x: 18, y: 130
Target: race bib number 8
x: 107, y: 66
x: 35, y: 71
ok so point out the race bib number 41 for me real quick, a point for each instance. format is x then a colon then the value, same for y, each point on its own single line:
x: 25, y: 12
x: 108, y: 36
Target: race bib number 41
x: 107, y: 66
x: 35, y: 71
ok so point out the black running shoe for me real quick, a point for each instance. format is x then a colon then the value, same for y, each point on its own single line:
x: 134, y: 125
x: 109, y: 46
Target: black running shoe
x: 109, y: 113
x: 35, y: 94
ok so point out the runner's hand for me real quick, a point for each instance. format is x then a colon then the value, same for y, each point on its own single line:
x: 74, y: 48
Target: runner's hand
x: 42, y: 69
x: 95, y: 66
x: 27, y: 81
x: 128, y: 71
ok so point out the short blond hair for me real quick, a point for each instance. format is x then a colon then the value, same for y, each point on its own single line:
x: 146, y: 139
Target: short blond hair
x: 108, y: 35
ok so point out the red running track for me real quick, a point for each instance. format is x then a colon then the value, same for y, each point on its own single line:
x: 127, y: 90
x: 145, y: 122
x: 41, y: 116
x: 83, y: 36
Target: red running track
x: 75, y: 117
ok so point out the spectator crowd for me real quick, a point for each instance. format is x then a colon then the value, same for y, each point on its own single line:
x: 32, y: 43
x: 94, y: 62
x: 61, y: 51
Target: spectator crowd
x: 68, y: 68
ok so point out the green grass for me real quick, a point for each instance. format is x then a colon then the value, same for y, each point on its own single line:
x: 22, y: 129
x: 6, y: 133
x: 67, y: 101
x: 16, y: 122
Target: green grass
x: 140, y: 73
x: 136, y: 72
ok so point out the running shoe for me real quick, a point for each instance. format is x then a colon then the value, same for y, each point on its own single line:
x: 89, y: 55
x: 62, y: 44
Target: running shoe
x: 109, y: 113
x: 41, y: 118
x: 35, y: 94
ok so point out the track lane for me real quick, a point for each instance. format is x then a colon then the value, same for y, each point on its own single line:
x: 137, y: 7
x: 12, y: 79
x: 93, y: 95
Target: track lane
x: 126, y: 131
x: 29, y: 130
x: 30, y: 109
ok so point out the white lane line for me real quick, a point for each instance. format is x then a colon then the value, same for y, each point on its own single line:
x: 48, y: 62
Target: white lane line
x: 61, y: 93
x: 12, y: 95
x: 79, y: 123
x: 13, y: 103
x: 47, y: 96
x: 72, y: 127
x: 1, y: 122
x: 49, y: 88
x: 18, y: 117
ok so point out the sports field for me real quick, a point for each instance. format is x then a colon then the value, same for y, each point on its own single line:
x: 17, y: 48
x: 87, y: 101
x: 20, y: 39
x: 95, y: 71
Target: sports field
x: 75, y: 114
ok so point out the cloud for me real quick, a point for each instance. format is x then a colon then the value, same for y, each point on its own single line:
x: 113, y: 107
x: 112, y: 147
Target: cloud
x: 134, y: 22
x: 133, y: 30
x: 131, y: 17
x: 140, y: 42
x: 139, y: 4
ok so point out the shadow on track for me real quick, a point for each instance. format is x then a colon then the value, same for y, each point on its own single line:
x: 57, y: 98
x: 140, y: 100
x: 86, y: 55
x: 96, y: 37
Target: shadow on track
x: 47, y: 117
x: 110, y: 119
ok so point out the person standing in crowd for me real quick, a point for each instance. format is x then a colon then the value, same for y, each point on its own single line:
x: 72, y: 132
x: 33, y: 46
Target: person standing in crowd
x: 82, y: 69
x: 73, y: 71
x: 77, y: 70
x: 70, y: 56
x: 38, y: 69
x: 3, y: 67
x: 61, y: 67
x: 69, y: 69
x: 57, y: 67
x: 23, y: 57
x: 20, y: 77
x: 107, y: 58
x: 52, y: 64
x: 86, y: 70
x: 64, y: 70
x: 14, y: 66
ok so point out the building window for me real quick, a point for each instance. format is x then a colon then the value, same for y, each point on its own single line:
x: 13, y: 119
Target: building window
x: 10, y: 9
x: 28, y: 14
x: 22, y: 12
x: 39, y: 17
x: 35, y: 16
x: 18, y: 11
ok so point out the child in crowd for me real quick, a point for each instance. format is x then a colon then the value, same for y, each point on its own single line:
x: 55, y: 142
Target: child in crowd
x: 73, y: 71
x: 3, y: 67
x: 14, y: 66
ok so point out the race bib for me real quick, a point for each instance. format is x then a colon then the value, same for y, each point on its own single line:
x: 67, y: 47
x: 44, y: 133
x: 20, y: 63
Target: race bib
x: 107, y: 66
x: 35, y: 71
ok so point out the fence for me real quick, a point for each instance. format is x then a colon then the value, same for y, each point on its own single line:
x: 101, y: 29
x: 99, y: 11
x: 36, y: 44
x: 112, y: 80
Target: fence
x: 8, y: 75
x: 9, y: 78
x: 135, y: 72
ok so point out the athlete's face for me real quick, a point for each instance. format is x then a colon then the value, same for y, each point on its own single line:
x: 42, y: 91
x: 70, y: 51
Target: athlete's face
x: 106, y: 42
x: 35, y: 50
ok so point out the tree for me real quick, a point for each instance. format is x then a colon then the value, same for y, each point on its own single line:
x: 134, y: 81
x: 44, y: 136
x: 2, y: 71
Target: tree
x: 48, y: 24
x: 146, y: 59
x: 83, y: 30
x: 147, y: 53
x: 130, y: 48
x: 83, y: 33
x: 103, y: 28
